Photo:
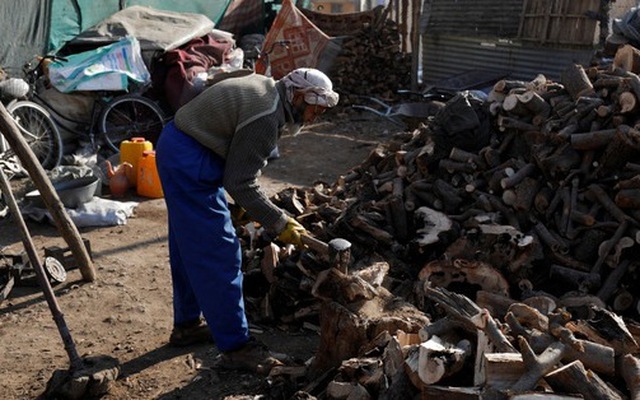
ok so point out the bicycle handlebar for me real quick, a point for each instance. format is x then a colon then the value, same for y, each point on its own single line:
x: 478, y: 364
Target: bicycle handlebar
x: 31, y: 73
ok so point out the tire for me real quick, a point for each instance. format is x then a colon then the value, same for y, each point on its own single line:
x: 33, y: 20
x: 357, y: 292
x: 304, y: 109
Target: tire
x: 40, y: 131
x: 128, y: 116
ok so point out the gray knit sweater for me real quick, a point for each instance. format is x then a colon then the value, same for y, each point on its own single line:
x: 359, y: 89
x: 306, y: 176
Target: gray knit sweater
x: 240, y: 119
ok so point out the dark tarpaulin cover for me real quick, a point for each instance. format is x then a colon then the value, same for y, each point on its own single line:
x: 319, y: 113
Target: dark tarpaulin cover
x: 24, y: 29
x: 156, y: 30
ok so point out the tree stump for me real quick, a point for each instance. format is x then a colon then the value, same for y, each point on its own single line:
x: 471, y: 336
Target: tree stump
x: 346, y: 328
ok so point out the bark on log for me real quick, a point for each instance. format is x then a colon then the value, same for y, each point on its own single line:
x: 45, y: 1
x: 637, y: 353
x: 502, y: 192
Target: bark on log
x: 628, y: 58
x: 592, y: 140
x: 535, y: 104
x: 574, y: 378
x: 502, y: 370
x: 576, y: 81
x: 346, y: 328
x: 627, y: 102
x: 624, y: 147
x: 438, y: 359
x: 431, y: 392
x: 629, y: 367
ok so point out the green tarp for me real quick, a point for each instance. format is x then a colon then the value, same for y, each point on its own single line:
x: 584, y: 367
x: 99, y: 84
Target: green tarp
x: 36, y: 27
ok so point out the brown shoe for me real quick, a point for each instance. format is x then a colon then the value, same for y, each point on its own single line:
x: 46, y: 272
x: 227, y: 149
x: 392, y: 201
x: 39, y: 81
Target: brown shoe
x: 253, y: 357
x: 195, y: 332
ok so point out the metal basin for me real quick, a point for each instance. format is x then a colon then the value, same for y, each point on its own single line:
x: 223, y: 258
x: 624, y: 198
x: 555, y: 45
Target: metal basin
x: 72, y: 193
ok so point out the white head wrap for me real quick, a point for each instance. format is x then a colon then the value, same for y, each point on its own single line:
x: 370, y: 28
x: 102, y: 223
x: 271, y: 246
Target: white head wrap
x: 316, y: 86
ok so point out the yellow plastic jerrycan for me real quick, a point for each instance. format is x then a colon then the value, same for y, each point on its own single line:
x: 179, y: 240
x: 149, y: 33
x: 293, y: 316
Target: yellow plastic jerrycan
x: 131, y: 152
x: 148, y: 179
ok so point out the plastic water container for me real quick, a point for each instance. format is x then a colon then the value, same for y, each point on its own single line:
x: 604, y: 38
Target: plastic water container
x: 148, y: 184
x: 131, y: 152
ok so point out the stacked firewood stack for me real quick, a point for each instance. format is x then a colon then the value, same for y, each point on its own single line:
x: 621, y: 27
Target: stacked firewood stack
x: 501, y: 268
x: 370, y: 61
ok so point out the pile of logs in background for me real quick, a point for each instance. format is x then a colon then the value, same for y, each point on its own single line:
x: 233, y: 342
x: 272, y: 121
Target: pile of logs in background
x: 370, y: 62
x: 501, y: 268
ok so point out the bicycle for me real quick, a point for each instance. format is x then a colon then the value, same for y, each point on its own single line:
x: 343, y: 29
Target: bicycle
x: 114, y: 117
x: 33, y: 121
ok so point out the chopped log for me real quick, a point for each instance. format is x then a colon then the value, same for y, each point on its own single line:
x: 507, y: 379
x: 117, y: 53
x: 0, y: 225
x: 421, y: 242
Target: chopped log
x: 270, y: 261
x: 523, y: 194
x: 462, y: 308
x: 346, y: 328
x: 513, y: 104
x: 505, y: 123
x: 430, y: 224
x: 288, y: 371
x: 333, y: 284
x: 366, y: 371
x: 529, y: 317
x: 629, y: 367
x: 574, y: 277
x: 397, y: 211
x: 535, y: 104
x: 517, y: 177
x: 497, y: 304
x: 544, y: 396
x: 598, y: 357
x: 612, y: 282
x: 502, y: 370
x: 393, y: 358
x: 347, y: 390
x: 412, y: 365
x: 543, y: 303
x: 603, y: 198
x: 627, y: 102
x: 624, y: 147
x: 450, y: 393
x: 592, y: 140
x: 576, y: 82
x: 628, y: 198
x: 506, y: 85
x: 537, y: 365
x: 631, y: 183
x: 574, y: 378
x: 613, y: 330
x: 483, y: 346
x: 438, y: 359
x: 460, y: 155
x: 623, y: 301
x: 455, y: 166
x: 627, y: 57
x: 380, y: 235
x: 606, y: 247
x: 444, y: 273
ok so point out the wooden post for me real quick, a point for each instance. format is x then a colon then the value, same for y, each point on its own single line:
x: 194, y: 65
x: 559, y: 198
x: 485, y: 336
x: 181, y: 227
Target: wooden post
x: 65, y: 225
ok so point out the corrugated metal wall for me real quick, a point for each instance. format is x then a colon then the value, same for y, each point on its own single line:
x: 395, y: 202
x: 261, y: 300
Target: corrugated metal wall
x: 495, y: 18
x: 445, y: 56
x: 464, y: 35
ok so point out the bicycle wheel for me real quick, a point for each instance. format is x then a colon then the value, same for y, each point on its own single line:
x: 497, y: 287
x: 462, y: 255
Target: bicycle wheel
x: 128, y: 116
x: 39, y: 130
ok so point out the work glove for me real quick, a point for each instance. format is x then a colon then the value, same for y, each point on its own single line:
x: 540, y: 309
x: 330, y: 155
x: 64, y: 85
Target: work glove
x: 239, y: 215
x: 292, y: 233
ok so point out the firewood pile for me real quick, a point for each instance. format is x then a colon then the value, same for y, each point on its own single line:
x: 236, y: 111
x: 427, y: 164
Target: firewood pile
x: 370, y: 62
x: 494, y: 251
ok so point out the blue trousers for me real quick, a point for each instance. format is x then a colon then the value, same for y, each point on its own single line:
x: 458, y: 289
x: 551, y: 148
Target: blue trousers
x: 204, y: 251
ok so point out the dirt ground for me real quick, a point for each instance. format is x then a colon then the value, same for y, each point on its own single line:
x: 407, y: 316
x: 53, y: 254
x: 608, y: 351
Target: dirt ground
x: 126, y: 312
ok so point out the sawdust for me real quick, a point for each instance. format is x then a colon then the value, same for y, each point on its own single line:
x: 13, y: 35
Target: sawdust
x: 126, y: 312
